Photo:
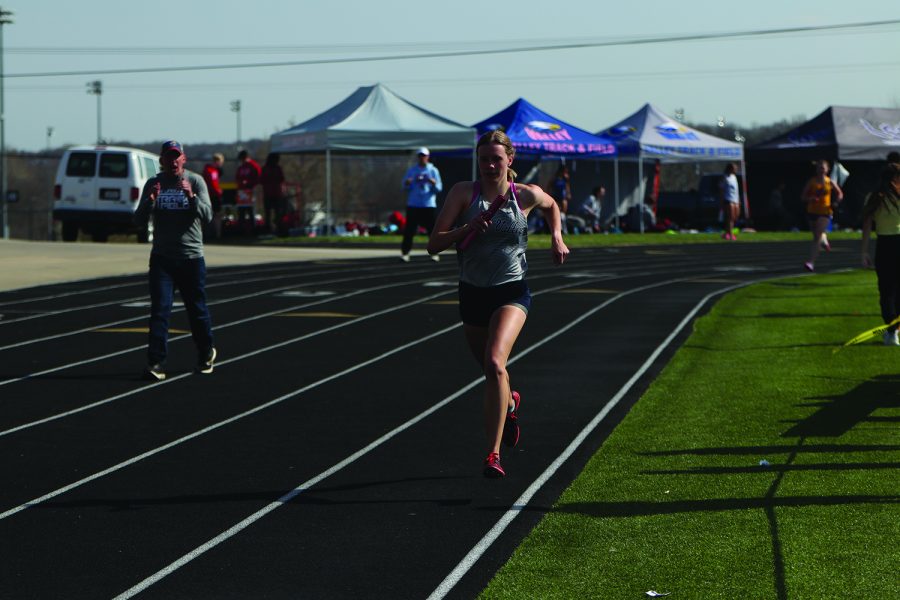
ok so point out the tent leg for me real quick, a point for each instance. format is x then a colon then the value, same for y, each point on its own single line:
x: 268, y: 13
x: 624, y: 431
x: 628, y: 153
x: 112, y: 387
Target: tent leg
x: 327, y: 192
x: 640, y: 205
x: 616, y: 186
x: 744, y: 185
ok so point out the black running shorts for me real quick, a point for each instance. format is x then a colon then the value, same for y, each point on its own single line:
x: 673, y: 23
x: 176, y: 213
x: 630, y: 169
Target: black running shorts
x: 477, y: 304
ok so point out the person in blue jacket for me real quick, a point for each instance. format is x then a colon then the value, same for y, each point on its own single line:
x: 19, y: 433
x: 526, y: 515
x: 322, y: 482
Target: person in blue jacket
x: 422, y: 183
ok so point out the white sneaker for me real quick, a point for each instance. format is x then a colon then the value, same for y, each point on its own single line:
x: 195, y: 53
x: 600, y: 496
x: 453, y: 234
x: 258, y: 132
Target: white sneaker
x: 436, y: 257
x: 404, y: 257
x: 890, y: 338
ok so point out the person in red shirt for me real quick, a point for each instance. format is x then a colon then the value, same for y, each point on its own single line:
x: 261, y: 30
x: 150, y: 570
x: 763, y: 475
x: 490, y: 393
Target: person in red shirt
x: 272, y: 180
x: 246, y: 177
x: 212, y: 173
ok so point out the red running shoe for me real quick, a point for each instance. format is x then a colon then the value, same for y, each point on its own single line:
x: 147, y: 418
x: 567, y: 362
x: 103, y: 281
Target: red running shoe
x: 492, y: 468
x: 511, y: 429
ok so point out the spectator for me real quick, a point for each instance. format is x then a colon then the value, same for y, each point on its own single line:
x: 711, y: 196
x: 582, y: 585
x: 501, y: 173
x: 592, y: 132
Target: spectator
x: 422, y: 183
x: 272, y: 179
x: 731, y: 198
x: 592, y: 208
x: 212, y: 175
x: 178, y: 203
x: 246, y: 177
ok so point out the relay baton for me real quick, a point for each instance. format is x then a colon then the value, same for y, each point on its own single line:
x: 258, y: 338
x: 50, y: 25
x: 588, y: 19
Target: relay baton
x: 487, y: 216
x: 867, y: 335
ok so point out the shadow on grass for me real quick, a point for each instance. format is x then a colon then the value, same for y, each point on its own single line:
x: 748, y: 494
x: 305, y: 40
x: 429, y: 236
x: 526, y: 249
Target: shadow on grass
x: 831, y: 417
x: 838, y: 415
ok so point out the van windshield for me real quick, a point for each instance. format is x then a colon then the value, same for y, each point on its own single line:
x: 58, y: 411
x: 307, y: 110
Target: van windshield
x: 82, y: 164
x: 113, y: 165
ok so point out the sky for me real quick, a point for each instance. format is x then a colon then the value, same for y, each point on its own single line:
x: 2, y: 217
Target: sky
x: 748, y: 80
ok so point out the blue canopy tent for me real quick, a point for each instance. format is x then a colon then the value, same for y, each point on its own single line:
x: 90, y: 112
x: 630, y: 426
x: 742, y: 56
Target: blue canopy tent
x: 536, y: 135
x: 534, y: 132
x: 650, y: 134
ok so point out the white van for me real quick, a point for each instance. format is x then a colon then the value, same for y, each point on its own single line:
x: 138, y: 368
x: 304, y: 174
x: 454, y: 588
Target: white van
x: 97, y: 189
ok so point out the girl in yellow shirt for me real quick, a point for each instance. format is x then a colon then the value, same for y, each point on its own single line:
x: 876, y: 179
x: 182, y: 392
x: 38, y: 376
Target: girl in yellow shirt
x: 821, y: 195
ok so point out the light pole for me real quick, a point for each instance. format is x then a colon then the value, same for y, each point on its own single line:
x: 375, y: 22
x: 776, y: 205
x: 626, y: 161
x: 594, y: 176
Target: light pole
x: 4, y: 20
x: 49, y: 135
x: 96, y: 88
x: 236, y: 108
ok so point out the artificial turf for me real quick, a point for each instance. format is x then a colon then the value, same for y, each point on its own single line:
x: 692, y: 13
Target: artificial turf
x: 760, y: 464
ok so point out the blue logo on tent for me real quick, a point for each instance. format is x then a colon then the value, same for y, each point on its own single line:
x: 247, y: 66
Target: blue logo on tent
x: 544, y: 126
x: 674, y: 131
x: 620, y: 131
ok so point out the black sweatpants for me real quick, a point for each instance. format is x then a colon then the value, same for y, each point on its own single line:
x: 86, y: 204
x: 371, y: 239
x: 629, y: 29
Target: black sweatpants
x: 416, y: 216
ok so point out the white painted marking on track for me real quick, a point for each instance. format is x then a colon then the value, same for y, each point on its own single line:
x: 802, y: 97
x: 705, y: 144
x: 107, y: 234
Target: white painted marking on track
x: 441, y: 284
x: 305, y: 294
x: 589, y: 275
x: 739, y: 269
x: 491, y: 536
x: 146, y: 304
x: 240, y: 526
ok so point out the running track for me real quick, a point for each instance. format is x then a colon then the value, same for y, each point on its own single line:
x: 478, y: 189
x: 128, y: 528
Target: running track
x: 336, y: 450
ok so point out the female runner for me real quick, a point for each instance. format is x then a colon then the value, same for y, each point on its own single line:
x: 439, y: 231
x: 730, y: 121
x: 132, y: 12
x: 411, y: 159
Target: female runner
x: 821, y: 194
x: 493, y: 296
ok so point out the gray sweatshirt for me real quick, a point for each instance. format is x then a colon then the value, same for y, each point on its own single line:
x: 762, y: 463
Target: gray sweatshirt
x: 177, y: 221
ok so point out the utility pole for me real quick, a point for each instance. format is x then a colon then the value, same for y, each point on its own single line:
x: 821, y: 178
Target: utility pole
x: 236, y: 108
x: 96, y: 88
x: 49, y: 135
x: 4, y: 20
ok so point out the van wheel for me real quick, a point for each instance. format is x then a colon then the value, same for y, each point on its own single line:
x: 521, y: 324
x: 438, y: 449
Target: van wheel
x: 69, y: 231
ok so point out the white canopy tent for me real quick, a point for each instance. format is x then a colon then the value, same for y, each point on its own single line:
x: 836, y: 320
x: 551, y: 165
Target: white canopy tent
x: 372, y: 119
x: 650, y: 134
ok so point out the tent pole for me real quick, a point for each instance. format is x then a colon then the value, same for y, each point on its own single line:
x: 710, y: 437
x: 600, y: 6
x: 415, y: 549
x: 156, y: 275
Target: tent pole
x: 616, y: 186
x: 640, y: 205
x: 327, y: 191
x: 744, y: 185
x: 474, y: 164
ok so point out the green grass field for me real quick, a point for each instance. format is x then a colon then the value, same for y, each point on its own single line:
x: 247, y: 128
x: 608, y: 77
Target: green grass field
x: 676, y: 499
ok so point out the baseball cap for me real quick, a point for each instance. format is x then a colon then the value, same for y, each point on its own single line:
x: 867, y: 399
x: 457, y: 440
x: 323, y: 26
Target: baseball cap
x: 171, y: 145
x: 423, y: 150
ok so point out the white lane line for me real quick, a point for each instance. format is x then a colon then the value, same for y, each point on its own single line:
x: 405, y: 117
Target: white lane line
x: 224, y: 326
x: 216, y: 328
x: 222, y: 363
x: 143, y: 297
x: 240, y: 526
x: 213, y: 303
x: 491, y: 536
x: 213, y: 273
x: 249, y: 412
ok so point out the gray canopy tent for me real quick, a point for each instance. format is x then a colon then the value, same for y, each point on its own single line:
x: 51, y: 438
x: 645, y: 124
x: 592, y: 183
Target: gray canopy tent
x: 371, y: 119
x: 650, y: 134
